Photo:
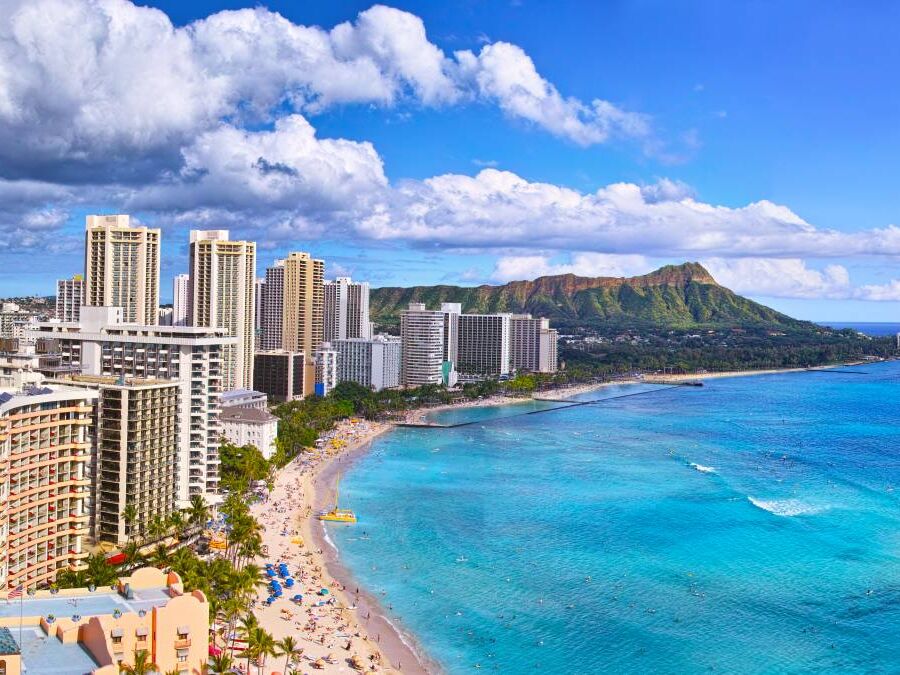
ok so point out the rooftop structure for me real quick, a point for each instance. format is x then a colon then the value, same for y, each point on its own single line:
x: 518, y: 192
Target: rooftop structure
x: 244, y: 398
x: 81, y: 631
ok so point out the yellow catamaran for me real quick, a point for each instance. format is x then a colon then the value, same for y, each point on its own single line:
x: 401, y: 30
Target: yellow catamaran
x: 337, y: 514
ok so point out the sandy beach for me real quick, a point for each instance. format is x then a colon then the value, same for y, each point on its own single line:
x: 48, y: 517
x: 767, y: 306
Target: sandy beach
x: 347, y: 622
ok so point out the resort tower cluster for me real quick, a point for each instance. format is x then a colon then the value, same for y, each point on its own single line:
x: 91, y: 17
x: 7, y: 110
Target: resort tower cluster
x: 111, y: 401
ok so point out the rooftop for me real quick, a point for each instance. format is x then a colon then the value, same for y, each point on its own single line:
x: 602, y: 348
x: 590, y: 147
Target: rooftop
x: 98, y: 603
x: 238, y: 414
x: 46, y: 655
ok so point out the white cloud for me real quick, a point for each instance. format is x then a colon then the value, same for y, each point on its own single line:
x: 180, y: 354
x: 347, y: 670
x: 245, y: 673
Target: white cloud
x: 500, y: 209
x: 94, y: 90
x: 285, y: 170
x: 793, y: 278
x: 513, y: 268
x: 879, y: 292
x: 504, y: 73
x: 783, y: 278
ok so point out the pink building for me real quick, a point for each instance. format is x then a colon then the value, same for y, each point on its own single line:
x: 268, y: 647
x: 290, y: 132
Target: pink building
x: 92, y: 633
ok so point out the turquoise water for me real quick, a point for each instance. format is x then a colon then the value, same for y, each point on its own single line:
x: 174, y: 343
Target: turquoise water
x: 749, y: 526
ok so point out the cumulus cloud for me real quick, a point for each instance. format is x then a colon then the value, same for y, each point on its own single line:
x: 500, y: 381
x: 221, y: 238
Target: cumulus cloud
x: 107, y: 90
x: 501, y: 209
x: 793, y: 278
x: 512, y: 268
x: 504, y: 73
x: 783, y: 278
x: 287, y: 169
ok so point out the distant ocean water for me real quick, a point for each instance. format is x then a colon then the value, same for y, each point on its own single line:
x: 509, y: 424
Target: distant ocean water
x: 748, y: 526
x: 870, y: 328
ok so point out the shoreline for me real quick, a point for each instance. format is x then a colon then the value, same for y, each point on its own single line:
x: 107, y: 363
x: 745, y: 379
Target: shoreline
x: 335, y: 632
x: 362, y: 617
x: 399, y: 647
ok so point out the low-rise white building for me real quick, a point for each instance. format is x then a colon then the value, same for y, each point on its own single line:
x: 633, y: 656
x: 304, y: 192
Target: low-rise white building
x: 250, y: 426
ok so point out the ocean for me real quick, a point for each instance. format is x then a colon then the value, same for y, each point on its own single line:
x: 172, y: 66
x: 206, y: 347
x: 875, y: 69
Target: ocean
x: 876, y: 329
x: 748, y: 526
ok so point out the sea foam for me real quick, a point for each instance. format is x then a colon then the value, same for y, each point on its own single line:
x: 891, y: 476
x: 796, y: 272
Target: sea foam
x: 784, y: 507
x: 702, y: 469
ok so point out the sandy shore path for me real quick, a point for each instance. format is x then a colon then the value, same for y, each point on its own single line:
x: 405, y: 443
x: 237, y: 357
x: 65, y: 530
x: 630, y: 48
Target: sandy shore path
x: 344, y: 624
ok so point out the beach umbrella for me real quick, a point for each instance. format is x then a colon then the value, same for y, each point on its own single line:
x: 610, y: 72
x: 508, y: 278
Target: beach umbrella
x: 324, y: 591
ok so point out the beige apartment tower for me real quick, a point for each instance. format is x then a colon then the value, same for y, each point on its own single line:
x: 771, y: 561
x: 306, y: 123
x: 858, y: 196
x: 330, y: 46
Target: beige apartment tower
x: 137, y: 453
x: 222, y: 290
x: 121, y: 267
x: 303, y: 317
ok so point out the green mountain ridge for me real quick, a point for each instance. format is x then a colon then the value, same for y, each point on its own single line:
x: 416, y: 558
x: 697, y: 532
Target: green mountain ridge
x: 675, y: 296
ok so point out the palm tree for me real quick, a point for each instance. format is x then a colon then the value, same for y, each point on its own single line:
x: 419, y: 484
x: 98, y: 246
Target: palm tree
x: 160, y: 556
x: 248, y: 624
x: 219, y: 664
x: 290, y: 649
x: 142, y: 664
x: 157, y: 527
x: 260, y: 644
x: 178, y: 523
x: 99, y: 571
x: 129, y: 515
x: 198, y: 512
x: 132, y: 552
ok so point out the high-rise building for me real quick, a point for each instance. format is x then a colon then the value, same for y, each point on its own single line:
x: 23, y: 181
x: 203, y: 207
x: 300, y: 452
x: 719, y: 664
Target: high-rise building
x: 532, y: 344
x: 272, y: 308
x: 258, y: 296
x: 373, y: 363
x: 121, y: 267
x: 69, y: 298
x: 346, y: 310
x: 326, y: 369
x: 283, y: 375
x: 223, y: 275
x: 483, y: 345
x: 104, y: 345
x: 45, y: 441
x: 137, y: 453
x: 304, y: 304
x: 425, y: 345
x: 548, y: 360
x: 181, y: 300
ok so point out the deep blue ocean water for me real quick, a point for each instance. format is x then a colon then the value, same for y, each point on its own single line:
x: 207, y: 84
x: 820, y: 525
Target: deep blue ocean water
x: 748, y: 526
x: 878, y: 329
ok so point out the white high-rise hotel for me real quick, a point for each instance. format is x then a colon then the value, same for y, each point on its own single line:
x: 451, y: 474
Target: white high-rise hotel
x: 223, y: 276
x: 103, y: 344
x: 346, y: 310
x: 181, y: 304
x: 121, y: 267
x: 69, y: 298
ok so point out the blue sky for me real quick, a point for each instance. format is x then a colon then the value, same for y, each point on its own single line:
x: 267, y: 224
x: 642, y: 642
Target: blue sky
x: 759, y: 138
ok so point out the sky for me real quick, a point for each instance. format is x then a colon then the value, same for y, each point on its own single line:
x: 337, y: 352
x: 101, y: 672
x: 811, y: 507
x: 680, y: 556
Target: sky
x: 466, y: 142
